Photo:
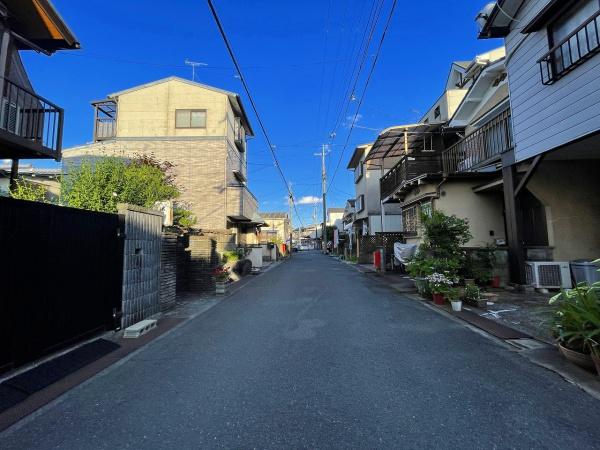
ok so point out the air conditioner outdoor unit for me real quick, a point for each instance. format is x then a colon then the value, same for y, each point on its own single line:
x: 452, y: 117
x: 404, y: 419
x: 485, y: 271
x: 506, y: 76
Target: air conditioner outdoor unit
x: 548, y: 274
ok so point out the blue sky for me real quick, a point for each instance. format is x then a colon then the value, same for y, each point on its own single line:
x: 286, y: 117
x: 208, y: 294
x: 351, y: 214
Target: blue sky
x: 292, y: 75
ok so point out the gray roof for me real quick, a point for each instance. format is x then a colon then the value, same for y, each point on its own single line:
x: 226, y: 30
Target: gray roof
x: 274, y: 215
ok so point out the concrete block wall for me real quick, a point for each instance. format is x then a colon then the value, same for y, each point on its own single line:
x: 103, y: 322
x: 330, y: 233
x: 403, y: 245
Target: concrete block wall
x: 168, y: 271
x: 142, y: 230
x: 205, y: 254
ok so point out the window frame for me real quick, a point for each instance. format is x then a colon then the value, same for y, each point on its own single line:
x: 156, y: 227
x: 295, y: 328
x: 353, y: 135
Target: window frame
x: 550, y: 30
x: 361, y: 200
x: 413, y: 210
x: 190, y: 111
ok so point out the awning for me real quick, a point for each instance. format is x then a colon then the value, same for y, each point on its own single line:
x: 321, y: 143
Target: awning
x: 404, y: 139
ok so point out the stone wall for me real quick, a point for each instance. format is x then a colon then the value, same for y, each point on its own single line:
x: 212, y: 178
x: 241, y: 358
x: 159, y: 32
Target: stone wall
x: 141, y: 229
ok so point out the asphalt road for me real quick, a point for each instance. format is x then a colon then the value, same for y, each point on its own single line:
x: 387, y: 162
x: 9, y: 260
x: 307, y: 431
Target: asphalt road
x: 313, y: 354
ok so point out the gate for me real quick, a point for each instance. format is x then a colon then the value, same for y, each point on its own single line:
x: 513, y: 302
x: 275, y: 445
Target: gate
x: 60, y: 272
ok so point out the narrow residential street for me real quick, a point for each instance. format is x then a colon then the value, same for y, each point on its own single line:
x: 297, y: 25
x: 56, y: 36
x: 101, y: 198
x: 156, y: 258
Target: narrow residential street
x: 314, y: 354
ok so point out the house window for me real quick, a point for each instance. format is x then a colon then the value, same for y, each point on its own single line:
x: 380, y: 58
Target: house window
x: 574, y: 35
x: 437, y: 112
x: 190, y: 118
x: 426, y: 208
x: 360, y: 203
x: 410, y: 220
x: 359, y: 171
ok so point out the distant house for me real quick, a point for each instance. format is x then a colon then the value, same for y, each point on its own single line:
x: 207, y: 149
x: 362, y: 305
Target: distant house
x: 549, y: 173
x: 276, y: 228
x: 368, y: 218
x: 335, y: 218
x: 201, y: 130
x: 30, y: 126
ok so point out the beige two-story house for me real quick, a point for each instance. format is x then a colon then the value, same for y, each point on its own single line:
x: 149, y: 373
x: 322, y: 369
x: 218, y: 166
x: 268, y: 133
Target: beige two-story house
x: 201, y: 130
x: 277, y: 227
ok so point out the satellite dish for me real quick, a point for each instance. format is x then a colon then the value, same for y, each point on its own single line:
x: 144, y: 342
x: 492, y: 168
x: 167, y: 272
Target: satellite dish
x: 484, y: 15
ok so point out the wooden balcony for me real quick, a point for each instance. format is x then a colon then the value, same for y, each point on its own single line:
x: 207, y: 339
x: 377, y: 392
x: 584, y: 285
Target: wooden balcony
x: 480, y: 148
x: 408, y: 168
x: 30, y: 125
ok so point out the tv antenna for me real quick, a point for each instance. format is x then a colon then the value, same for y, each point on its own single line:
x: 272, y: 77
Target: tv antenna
x: 194, y: 64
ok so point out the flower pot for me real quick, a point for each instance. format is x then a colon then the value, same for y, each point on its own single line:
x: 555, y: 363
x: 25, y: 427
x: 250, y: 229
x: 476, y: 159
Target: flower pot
x: 220, y: 287
x: 596, y: 360
x: 439, y: 299
x: 582, y: 360
x: 456, y: 305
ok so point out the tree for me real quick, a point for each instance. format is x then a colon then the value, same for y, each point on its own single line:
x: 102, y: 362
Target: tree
x: 101, y: 185
x: 25, y: 190
x: 183, y: 218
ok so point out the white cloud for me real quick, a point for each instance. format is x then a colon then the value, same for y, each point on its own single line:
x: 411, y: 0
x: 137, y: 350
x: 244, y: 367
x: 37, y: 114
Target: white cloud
x: 308, y: 200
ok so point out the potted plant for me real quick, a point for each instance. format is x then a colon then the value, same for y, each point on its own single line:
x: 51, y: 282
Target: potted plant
x: 221, y: 275
x: 596, y: 355
x: 440, y: 286
x: 576, y: 323
x: 473, y: 295
x: 454, y: 297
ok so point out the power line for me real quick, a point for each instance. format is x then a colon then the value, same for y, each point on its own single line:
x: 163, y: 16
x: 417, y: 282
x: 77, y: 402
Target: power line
x: 362, y: 54
x: 254, y: 108
x: 362, y: 97
x: 351, y: 89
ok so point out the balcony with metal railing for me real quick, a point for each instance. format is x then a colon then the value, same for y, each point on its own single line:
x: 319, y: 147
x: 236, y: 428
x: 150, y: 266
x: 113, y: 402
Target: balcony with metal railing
x: 481, y: 147
x: 409, y: 168
x: 574, y: 50
x: 30, y: 125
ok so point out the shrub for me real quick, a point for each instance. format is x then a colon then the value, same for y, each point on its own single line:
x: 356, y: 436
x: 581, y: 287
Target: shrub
x: 183, y: 218
x: 443, y: 235
x: 230, y: 256
x: 101, y: 185
x: 25, y: 190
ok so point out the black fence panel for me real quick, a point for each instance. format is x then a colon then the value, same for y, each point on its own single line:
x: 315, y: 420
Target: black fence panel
x: 60, y: 277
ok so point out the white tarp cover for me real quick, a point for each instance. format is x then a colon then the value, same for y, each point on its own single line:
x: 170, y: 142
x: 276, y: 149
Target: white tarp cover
x: 403, y: 252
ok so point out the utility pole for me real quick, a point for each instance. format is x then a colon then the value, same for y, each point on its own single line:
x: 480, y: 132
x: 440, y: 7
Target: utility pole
x: 324, y: 189
x: 290, y: 205
x: 194, y: 64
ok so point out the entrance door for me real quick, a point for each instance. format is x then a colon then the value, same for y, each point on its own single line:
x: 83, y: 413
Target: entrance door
x: 533, y: 220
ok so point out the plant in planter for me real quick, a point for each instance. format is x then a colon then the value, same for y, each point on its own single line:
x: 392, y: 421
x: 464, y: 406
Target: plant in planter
x: 221, y: 275
x: 472, y: 294
x: 454, y: 297
x: 576, y: 323
x: 440, y: 286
